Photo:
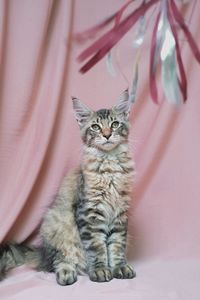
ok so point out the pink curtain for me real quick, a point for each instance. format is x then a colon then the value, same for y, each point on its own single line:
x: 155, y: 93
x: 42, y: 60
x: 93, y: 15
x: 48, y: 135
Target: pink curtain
x: 39, y: 143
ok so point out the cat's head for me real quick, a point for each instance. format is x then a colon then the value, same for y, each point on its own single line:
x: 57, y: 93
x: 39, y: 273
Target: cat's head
x: 104, y: 129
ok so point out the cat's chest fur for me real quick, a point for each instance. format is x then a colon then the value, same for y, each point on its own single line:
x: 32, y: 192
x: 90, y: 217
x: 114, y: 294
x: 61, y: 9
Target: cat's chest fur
x: 108, y: 181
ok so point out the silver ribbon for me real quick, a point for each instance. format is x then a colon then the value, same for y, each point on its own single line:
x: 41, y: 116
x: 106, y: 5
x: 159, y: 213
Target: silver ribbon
x: 139, y: 39
x: 167, y: 47
x: 109, y: 64
x: 133, y: 89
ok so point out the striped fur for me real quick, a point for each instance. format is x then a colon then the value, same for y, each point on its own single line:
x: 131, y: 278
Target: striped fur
x: 85, y: 230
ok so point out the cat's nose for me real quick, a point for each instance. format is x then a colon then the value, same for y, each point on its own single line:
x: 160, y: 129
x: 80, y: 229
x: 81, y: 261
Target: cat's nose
x: 107, y: 136
x: 107, y: 133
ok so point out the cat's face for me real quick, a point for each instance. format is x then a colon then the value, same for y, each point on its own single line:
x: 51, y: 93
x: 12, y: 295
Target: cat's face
x: 104, y: 129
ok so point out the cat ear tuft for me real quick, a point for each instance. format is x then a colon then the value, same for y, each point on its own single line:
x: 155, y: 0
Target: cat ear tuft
x: 82, y: 112
x: 123, y: 105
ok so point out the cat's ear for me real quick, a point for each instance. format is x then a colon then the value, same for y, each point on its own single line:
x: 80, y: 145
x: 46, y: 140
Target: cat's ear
x: 82, y: 112
x: 123, y: 104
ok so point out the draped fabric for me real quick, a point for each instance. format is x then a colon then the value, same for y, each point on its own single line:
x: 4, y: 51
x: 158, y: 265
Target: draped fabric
x: 40, y: 142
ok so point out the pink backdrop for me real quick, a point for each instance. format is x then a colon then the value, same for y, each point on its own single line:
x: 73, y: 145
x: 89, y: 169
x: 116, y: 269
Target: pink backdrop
x: 40, y: 141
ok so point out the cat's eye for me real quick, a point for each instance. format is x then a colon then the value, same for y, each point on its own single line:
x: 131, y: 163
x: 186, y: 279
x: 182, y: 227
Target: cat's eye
x: 95, y: 127
x: 115, y: 124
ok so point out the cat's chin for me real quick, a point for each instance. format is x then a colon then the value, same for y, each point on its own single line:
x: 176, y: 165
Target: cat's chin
x: 107, y: 146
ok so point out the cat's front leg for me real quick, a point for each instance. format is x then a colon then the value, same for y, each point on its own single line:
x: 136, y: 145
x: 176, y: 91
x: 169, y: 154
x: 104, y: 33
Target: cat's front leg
x: 93, y: 236
x: 116, y: 251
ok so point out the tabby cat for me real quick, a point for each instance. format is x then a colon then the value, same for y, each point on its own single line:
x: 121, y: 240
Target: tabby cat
x: 85, y: 229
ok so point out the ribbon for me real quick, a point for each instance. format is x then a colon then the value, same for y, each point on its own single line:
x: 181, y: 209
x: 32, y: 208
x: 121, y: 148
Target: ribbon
x: 109, y: 64
x: 133, y: 89
x: 154, y: 61
x: 183, y: 80
x: 179, y: 19
x: 103, y: 45
x: 165, y: 48
x: 139, y: 39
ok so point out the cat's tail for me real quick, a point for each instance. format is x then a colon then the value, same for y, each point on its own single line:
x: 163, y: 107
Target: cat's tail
x: 13, y: 255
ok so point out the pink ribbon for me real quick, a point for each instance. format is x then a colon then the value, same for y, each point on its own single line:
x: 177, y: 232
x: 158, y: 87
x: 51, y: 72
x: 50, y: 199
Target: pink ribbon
x: 179, y: 19
x: 108, y: 40
x: 103, y: 45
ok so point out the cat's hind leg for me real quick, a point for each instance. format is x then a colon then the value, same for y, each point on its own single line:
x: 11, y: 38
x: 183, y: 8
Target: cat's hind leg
x: 64, y: 266
x: 66, y: 271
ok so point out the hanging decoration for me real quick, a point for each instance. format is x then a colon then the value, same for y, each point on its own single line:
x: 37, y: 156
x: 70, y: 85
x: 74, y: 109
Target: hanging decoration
x: 164, y: 51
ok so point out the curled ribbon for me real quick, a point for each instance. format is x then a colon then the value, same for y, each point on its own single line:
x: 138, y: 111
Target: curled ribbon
x: 164, y: 40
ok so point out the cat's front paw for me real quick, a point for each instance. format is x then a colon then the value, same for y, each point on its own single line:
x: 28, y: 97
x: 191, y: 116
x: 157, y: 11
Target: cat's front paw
x: 100, y: 275
x: 66, y: 277
x: 124, y: 272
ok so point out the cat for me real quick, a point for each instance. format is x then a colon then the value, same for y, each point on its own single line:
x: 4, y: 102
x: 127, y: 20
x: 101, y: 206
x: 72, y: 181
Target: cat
x: 85, y: 229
